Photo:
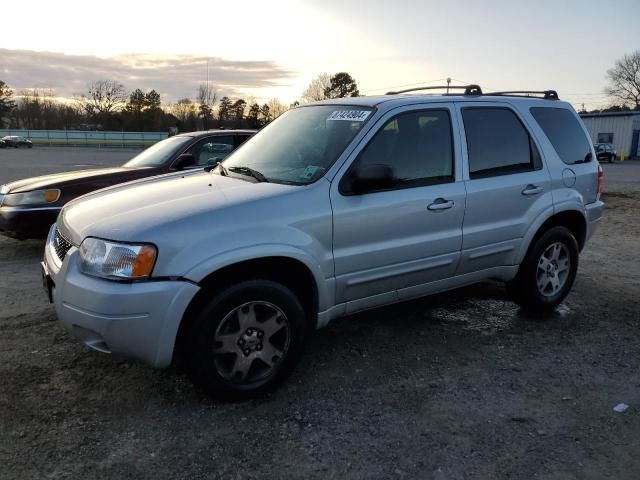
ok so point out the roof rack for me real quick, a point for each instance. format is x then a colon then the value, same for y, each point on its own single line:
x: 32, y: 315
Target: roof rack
x: 468, y: 89
x: 547, y: 94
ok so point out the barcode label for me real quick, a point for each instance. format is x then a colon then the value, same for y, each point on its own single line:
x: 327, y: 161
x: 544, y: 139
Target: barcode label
x: 350, y: 115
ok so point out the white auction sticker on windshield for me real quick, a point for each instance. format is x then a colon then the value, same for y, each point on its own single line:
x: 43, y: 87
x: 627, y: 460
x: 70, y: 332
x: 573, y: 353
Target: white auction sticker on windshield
x: 350, y: 115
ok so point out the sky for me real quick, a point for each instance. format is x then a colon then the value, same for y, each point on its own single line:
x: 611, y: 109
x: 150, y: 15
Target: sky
x: 264, y: 49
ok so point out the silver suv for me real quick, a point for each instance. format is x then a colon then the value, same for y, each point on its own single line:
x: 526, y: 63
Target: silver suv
x: 335, y: 207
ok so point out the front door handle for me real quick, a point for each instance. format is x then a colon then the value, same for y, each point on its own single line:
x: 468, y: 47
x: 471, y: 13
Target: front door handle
x: 531, y: 190
x: 440, y: 204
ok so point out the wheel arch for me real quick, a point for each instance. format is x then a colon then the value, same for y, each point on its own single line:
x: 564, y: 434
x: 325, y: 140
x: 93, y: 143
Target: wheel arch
x: 287, y: 270
x: 571, y: 218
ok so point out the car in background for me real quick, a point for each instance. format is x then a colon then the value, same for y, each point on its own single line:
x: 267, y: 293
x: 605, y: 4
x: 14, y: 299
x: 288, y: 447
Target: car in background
x: 15, y: 141
x: 605, y: 152
x: 29, y: 207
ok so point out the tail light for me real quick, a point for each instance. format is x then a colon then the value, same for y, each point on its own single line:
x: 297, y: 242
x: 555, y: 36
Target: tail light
x: 600, y: 179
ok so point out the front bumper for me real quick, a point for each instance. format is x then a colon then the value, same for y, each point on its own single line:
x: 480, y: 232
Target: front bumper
x: 138, y: 320
x: 26, y: 223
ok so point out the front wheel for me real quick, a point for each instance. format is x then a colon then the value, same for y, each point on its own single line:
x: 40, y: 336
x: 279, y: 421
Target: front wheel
x: 246, y: 340
x: 547, y: 272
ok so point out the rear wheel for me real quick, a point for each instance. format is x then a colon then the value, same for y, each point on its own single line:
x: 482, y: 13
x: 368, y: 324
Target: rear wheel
x: 246, y: 339
x: 547, y: 272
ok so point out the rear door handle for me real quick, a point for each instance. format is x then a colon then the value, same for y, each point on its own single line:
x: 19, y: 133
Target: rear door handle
x: 440, y: 204
x: 531, y: 190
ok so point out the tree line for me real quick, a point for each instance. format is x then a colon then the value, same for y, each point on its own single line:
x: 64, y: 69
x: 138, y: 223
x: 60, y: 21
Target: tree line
x: 107, y: 105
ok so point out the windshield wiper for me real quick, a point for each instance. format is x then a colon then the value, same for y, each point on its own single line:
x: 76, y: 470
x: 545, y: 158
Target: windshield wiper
x: 250, y: 172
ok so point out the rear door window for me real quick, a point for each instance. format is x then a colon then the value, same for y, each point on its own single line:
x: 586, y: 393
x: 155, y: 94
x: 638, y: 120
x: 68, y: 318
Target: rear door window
x: 497, y: 142
x: 565, y: 134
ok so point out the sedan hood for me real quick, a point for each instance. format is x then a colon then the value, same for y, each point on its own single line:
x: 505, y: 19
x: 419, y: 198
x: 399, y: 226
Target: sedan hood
x: 57, y: 180
x: 139, y: 210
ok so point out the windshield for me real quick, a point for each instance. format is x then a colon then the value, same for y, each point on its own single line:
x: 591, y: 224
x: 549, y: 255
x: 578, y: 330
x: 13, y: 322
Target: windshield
x: 301, y: 144
x: 158, y: 153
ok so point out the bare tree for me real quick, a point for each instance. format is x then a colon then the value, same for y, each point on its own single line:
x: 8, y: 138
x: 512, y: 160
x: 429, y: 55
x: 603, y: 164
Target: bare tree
x: 624, y: 79
x: 207, y: 97
x: 276, y: 108
x: 104, y: 97
x: 184, y: 109
x: 40, y: 109
x: 315, y: 91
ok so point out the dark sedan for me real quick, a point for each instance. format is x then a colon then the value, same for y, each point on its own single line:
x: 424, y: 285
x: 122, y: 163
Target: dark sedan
x: 14, y: 141
x: 29, y: 207
x: 605, y: 152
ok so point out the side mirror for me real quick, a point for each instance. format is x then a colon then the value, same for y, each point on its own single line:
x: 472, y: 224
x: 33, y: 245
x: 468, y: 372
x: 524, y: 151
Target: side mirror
x: 183, y: 161
x: 368, y: 178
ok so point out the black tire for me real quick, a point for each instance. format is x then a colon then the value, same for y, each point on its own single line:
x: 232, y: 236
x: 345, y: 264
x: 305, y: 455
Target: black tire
x: 204, y: 365
x: 524, y: 288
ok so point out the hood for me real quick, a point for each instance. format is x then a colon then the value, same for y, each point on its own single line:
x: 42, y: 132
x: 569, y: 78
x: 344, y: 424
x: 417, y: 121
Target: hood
x: 57, y: 180
x: 137, y: 210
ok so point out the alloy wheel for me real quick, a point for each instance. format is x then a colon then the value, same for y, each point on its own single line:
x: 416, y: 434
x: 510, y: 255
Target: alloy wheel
x: 251, y: 342
x: 553, y: 269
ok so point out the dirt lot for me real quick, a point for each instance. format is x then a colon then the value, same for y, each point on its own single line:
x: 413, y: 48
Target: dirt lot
x: 460, y: 385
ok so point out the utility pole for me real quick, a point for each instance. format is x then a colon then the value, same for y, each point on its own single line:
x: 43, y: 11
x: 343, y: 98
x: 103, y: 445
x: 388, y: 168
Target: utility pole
x: 448, y: 82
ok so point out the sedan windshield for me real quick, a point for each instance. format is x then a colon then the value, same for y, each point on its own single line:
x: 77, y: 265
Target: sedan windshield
x: 301, y: 145
x: 157, y: 154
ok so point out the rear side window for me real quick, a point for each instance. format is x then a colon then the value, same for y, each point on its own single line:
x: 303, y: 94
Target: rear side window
x: 564, y: 133
x: 497, y: 142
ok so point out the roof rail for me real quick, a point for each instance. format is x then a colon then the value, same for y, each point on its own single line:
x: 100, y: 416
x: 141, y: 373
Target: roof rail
x: 548, y: 94
x: 468, y: 89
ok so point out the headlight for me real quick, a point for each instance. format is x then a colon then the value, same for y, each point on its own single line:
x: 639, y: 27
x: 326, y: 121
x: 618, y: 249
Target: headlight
x: 37, y: 197
x: 4, y: 189
x: 118, y: 261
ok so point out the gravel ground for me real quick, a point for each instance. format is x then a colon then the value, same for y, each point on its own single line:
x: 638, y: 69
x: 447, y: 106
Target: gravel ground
x: 459, y: 385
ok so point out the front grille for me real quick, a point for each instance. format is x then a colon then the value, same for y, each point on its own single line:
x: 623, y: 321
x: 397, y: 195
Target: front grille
x: 61, y: 245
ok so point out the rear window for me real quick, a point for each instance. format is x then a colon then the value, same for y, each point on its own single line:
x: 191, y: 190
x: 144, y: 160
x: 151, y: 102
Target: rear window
x: 565, y: 134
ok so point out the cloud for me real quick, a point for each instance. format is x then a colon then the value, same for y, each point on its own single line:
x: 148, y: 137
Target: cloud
x: 173, y: 76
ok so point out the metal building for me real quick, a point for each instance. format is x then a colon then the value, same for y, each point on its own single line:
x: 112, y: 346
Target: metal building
x: 621, y: 129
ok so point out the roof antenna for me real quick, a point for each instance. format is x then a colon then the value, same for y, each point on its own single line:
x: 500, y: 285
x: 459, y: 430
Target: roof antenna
x: 448, y: 82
